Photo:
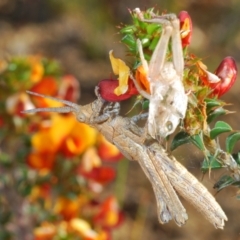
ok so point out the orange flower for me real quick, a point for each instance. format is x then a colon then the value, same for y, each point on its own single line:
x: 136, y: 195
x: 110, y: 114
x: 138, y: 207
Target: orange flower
x: 47, y: 86
x: 108, y: 151
x: 141, y: 77
x: 109, y: 215
x: 41, y: 160
x: 37, y: 69
x: 78, y: 139
x: 103, y: 235
x: 51, y: 136
x: 69, y: 208
x: 40, y: 191
x: 45, y: 232
x: 60, y: 134
x: 47, y: 140
x: 76, y: 227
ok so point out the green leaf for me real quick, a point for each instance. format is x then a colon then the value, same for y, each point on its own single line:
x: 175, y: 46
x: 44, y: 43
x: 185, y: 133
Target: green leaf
x: 130, y: 41
x: 145, y: 104
x: 128, y: 29
x: 51, y: 67
x: 145, y: 41
x: 210, y: 163
x: 220, y: 127
x: 197, y: 140
x: 236, y: 157
x: 212, y: 103
x: 151, y: 28
x: 223, y: 182
x: 231, y: 141
x: 180, y: 139
x: 142, y: 25
x: 216, y: 113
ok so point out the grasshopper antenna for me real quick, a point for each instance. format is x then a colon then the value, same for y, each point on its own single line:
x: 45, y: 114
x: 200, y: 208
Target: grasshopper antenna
x: 71, y: 107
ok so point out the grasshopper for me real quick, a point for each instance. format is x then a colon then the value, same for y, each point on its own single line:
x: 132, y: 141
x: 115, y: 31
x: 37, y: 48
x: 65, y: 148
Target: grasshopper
x: 165, y: 173
x: 168, y: 100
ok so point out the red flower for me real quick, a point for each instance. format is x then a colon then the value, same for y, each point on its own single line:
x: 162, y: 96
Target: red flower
x: 186, y: 28
x: 109, y: 215
x: 69, y: 88
x: 223, y: 78
x: 41, y: 160
x: 17, y: 103
x: 47, y: 86
x: 107, y: 87
x: 101, y: 175
x: 227, y: 72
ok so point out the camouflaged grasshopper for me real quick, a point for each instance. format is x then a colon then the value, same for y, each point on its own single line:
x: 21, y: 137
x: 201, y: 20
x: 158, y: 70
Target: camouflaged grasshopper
x: 165, y: 173
x: 168, y: 100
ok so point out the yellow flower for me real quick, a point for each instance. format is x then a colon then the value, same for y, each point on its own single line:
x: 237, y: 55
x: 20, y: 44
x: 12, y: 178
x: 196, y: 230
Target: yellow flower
x: 83, y: 228
x: 61, y: 134
x: 122, y: 70
x: 45, y: 232
x: 78, y: 140
x: 69, y: 208
x: 49, y: 139
x: 37, y: 69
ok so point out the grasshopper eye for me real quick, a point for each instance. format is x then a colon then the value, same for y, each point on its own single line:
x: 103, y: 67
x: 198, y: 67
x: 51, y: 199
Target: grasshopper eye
x: 169, y: 125
x: 81, y: 117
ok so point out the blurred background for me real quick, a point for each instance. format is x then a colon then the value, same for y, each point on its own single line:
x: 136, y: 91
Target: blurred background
x: 80, y: 34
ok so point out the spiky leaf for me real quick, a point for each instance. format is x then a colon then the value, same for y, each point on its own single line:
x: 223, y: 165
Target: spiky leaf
x: 220, y: 127
x: 210, y: 163
x: 231, y: 141
x: 180, y: 139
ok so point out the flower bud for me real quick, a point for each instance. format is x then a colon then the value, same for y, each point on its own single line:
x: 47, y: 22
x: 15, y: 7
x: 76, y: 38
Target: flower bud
x: 185, y: 28
x: 227, y: 72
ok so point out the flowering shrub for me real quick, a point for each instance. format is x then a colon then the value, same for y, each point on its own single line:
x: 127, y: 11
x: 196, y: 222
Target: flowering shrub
x: 203, y: 88
x: 52, y: 163
x: 55, y: 167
